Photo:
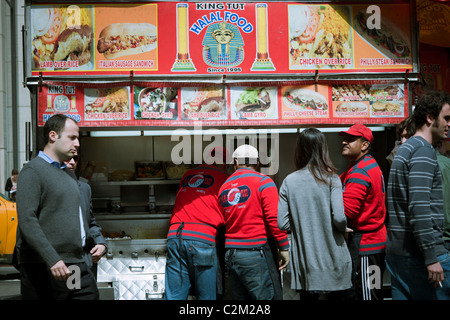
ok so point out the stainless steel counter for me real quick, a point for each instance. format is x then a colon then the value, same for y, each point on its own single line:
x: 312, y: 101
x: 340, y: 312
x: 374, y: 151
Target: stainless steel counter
x: 135, y: 268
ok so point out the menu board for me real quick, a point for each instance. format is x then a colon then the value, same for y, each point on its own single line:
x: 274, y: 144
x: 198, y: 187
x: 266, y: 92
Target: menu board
x: 305, y: 103
x: 253, y: 103
x: 203, y: 103
x: 158, y: 103
x: 173, y: 38
x: 147, y: 104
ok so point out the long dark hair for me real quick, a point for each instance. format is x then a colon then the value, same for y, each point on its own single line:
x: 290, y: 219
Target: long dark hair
x: 312, y: 151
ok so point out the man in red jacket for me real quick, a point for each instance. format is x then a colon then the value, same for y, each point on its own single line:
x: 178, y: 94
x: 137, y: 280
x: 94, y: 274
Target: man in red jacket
x: 365, y: 208
x: 249, y: 203
x: 191, y: 241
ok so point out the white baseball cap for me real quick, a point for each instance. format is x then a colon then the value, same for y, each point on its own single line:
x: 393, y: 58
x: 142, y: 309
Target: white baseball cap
x: 245, y: 151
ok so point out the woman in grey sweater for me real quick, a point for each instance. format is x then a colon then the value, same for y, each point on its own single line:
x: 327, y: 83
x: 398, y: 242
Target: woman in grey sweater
x: 312, y: 209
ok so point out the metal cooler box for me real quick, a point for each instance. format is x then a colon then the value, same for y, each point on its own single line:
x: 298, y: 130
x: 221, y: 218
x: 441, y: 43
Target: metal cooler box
x: 135, y: 268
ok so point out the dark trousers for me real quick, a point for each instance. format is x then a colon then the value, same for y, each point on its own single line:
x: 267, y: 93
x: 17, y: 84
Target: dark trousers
x: 367, y: 272
x: 340, y: 295
x: 368, y: 285
x: 37, y: 283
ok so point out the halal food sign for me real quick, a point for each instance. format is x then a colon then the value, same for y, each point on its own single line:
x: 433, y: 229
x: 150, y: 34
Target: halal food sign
x: 216, y: 16
x: 222, y: 38
x: 222, y: 42
x: 217, y: 38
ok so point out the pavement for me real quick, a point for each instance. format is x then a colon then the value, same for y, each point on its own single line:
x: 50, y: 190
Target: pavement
x: 9, y: 283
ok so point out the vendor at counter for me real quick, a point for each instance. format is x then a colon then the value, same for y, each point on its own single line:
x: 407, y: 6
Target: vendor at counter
x: 191, y: 242
x: 249, y: 203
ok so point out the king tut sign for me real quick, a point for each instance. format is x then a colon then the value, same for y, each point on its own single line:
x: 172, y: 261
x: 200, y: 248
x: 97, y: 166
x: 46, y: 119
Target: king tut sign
x: 218, y: 38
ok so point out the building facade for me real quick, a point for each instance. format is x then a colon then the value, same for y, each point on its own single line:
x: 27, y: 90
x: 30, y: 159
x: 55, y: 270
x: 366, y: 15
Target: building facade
x: 15, y: 103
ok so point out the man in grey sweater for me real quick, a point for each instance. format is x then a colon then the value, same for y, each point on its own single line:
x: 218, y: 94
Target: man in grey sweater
x: 51, y: 234
x: 416, y: 256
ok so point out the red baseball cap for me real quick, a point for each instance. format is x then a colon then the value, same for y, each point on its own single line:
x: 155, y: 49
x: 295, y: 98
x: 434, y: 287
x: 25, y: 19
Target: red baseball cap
x: 359, y: 130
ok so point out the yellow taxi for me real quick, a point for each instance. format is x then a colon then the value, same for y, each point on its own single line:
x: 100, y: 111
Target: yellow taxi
x: 8, y: 225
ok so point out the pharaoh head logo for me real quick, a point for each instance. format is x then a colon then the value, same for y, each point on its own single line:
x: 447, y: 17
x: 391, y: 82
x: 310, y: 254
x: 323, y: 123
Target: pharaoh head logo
x: 223, y: 36
x: 223, y: 45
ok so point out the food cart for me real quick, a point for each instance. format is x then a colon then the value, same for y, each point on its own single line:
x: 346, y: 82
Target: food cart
x: 153, y: 83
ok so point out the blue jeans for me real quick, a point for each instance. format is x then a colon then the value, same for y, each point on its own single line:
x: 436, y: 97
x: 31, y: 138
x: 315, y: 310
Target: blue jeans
x: 409, y: 278
x: 190, y: 263
x: 249, y: 275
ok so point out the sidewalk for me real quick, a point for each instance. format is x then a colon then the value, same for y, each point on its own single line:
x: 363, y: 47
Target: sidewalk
x: 9, y: 283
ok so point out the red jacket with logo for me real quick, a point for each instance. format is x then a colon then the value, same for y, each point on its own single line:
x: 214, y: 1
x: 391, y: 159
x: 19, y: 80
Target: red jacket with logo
x: 364, y: 203
x: 196, y: 213
x: 249, y: 202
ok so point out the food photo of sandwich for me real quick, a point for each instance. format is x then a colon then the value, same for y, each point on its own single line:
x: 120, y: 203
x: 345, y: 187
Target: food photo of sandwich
x: 254, y: 103
x: 319, y: 37
x: 389, y: 40
x: 122, y: 39
x: 203, y: 103
x: 352, y: 109
x: 304, y: 99
x: 386, y: 106
x: 61, y: 37
x: 352, y: 106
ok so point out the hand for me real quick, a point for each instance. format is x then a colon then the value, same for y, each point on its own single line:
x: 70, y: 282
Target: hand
x: 435, y: 273
x: 60, y: 271
x: 347, y: 231
x: 97, y: 252
x: 283, y: 259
